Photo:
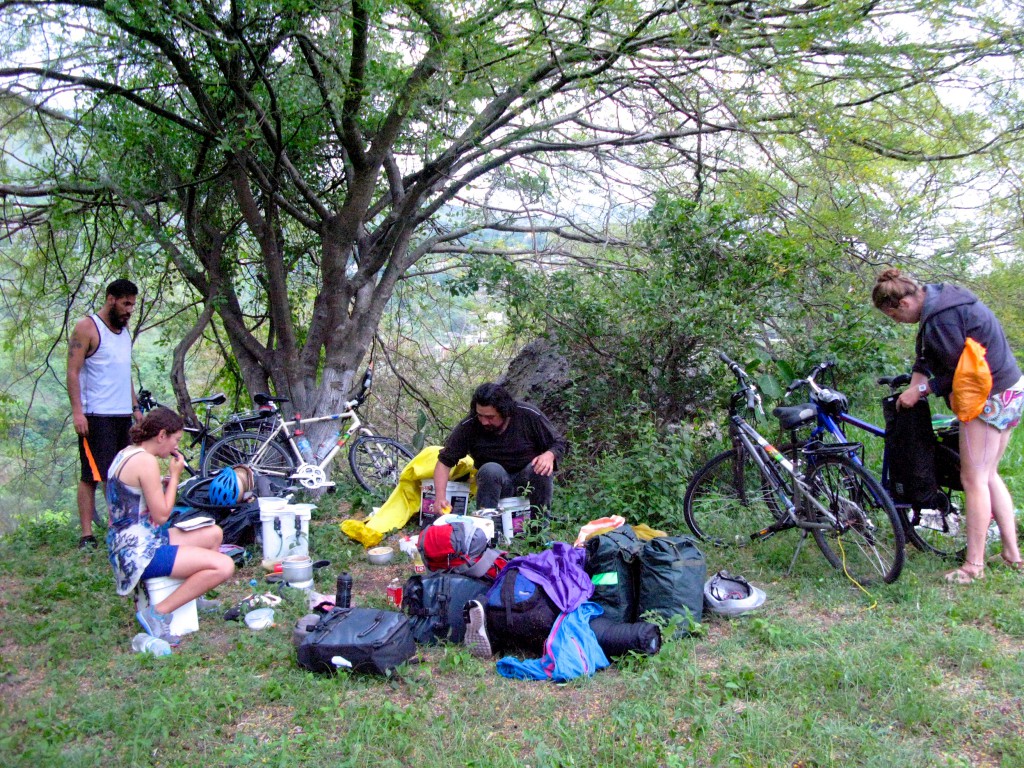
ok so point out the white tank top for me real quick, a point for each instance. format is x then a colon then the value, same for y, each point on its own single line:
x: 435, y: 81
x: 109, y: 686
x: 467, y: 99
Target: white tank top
x: 106, y: 378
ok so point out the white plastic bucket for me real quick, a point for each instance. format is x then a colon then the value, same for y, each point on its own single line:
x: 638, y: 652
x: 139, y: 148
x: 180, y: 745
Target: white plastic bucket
x: 183, y: 620
x: 285, y: 532
x: 457, y: 494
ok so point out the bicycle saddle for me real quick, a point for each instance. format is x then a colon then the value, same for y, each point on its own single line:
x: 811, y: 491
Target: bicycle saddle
x: 218, y: 399
x: 794, y: 416
x: 262, y: 399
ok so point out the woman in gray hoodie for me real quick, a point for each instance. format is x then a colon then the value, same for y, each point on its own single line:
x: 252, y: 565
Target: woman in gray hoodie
x: 948, y: 315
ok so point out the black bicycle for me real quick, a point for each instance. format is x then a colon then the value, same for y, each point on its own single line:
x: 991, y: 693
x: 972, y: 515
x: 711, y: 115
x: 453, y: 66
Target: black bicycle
x: 753, y: 491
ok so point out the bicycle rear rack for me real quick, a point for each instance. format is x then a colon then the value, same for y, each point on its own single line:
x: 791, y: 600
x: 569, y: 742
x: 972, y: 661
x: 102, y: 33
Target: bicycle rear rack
x: 818, y: 448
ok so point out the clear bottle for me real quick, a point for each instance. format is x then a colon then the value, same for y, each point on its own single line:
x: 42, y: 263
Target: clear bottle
x: 157, y: 646
x: 302, y: 443
x: 327, y: 444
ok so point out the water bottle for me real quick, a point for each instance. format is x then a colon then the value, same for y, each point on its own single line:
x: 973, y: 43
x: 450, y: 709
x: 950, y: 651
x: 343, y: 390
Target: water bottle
x: 328, y: 443
x: 343, y: 595
x: 157, y: 646
x: 302, y: 443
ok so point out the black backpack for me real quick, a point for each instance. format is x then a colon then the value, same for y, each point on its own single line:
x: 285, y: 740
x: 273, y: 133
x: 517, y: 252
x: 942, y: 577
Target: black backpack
x: 612, y: 564
x: 519, y: 614
x: 672, y: 575
x: 434, y: 605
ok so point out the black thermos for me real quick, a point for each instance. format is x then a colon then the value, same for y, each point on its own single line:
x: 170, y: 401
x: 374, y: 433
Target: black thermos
x: 343, y: 597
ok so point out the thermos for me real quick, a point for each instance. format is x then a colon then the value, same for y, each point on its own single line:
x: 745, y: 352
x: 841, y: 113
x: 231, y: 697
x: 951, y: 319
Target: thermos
x: 343, y: 596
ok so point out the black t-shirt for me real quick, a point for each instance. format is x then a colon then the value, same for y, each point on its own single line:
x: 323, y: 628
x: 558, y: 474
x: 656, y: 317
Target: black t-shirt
x: 527, y: 435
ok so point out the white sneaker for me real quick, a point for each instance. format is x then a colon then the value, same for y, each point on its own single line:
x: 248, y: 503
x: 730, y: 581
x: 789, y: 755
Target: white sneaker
x: 476, y: 630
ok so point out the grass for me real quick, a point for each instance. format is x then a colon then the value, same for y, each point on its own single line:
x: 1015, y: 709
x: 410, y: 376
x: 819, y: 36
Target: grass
x: 917, y: 673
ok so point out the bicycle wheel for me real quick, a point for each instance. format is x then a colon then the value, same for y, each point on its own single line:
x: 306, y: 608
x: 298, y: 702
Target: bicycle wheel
x: 240, y: 448
x: 868, y: 542
x: 941, y: 530
x: 377, y: 462
x: 728, y: 500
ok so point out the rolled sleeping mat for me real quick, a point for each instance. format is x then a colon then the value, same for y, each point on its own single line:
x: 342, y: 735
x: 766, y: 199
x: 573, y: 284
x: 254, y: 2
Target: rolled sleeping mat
x: 618, y: 638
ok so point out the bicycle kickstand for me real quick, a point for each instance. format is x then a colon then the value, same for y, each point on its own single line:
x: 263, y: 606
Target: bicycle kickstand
x: 796, y: 553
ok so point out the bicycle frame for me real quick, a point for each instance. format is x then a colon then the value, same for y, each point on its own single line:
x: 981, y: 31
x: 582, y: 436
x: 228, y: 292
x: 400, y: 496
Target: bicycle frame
x: 761, y: 451
x: 309, y: 474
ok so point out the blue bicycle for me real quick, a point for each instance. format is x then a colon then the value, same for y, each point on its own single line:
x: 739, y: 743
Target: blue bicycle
x: 940, y: 528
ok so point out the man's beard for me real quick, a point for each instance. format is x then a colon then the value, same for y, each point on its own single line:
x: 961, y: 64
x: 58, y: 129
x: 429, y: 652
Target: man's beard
x: 118, y: 320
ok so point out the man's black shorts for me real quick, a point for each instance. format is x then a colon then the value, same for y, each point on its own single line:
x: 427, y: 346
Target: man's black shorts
x: 107, y: 436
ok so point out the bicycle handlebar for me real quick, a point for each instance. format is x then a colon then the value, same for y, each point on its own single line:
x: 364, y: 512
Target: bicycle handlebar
x: 753, y: 400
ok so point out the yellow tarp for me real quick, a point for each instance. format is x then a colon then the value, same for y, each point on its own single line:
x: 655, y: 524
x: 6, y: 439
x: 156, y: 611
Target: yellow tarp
x: 404, y: 501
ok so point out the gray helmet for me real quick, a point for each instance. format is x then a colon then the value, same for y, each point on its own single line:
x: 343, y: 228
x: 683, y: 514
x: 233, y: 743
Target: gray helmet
x: 729, y: 595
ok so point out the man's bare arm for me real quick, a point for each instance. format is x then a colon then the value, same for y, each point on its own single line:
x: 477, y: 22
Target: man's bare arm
x: 84, y: 340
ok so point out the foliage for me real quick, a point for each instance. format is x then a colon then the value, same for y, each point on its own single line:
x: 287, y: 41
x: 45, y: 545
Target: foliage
x: 290, y: 163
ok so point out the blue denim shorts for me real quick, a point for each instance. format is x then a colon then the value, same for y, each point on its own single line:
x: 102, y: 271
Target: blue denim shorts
x: 162, y: 563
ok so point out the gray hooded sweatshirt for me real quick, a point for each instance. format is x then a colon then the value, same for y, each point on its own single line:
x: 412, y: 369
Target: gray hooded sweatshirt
x: 951, y: 314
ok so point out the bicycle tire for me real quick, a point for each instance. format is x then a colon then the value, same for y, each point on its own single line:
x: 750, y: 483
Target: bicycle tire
x: 869, y: 544
x: 941, y: 530
x: 376, y: 463
x: 240, y: 448
x: 728, y: 500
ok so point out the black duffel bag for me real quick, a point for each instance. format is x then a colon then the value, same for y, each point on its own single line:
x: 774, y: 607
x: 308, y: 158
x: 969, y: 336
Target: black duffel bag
x: 434, y: 605
x: 359, y: 639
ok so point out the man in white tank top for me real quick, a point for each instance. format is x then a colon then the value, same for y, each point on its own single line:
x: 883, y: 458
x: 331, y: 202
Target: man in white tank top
x: 102, y: 395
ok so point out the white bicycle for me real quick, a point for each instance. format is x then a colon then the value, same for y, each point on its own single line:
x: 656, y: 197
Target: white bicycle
x: 375, y: 461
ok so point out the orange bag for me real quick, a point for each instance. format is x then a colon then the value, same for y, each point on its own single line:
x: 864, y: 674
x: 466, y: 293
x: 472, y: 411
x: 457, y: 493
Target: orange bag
x: 972, y: 382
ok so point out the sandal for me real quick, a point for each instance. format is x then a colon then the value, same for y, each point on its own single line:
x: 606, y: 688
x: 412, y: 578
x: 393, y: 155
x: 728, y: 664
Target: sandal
x: 1016, y: 565
x: 962, y: 576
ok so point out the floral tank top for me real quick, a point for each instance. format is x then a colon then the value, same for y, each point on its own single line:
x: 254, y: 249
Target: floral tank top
x: 132, y: 538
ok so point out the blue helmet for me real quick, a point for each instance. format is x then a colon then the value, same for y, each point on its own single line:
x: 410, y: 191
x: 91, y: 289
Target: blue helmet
x: 224, y: 490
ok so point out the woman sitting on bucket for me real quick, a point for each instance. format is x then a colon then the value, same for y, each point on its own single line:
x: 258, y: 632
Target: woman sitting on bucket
x: 141, y: 544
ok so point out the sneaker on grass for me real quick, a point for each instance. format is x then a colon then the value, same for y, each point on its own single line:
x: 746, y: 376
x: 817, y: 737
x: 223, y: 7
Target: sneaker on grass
x: 476, y: 630
x: 157, y: 624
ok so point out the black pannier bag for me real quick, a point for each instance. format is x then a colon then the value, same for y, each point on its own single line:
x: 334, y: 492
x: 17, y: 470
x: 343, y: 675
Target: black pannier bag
x: 358, y: 639
x: 910, y: 444
x: 434, y: 605
x: 613, y: 564
x: 672, y: 575
x: 519, y: 614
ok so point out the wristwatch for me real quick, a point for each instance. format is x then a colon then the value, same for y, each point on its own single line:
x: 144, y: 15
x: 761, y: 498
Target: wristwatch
x: 923, y: 389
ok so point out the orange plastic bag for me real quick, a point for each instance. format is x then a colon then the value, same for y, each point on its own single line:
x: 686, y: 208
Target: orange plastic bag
x: 972, y: 382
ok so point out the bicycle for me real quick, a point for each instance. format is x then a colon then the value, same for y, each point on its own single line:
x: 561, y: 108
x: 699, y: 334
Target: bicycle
x: 376, y: 462
x: 941, y: 530
x: 752, y: 491
x: 202, y: 434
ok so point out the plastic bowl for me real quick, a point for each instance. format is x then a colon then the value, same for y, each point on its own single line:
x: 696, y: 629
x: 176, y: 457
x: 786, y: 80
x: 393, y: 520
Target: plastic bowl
x: 380, y: 555
x: 261, y: 618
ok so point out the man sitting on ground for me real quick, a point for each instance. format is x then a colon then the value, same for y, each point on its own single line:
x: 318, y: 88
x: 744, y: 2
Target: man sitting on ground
x: 513, y: 446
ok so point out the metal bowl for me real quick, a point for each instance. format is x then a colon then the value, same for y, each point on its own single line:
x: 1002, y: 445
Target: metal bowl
x: 380, y: 555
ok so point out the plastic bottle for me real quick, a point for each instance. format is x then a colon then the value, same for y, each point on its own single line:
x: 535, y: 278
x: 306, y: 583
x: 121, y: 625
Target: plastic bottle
x: 157, y: 646
x: 327, y: 444
x: 302, y: 443
x: 417, y: 563
x: 343, y: 595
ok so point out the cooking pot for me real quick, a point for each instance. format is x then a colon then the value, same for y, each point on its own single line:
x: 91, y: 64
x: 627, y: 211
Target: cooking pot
x: 297, y: 569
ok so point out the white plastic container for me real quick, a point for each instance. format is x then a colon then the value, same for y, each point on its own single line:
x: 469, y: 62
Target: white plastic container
x: 285, y: 532
x: 185, y: 619
x: 457, y: 494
